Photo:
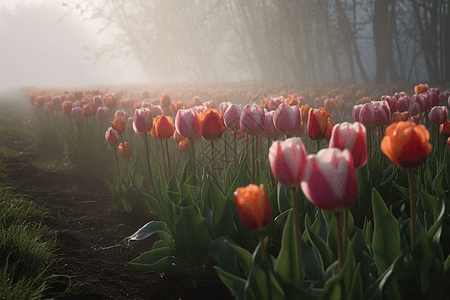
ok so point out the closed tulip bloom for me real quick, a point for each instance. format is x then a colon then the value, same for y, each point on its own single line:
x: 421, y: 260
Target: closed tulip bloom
x: 163, y: 127
x: 421, y: 88
x: 112, y: 136
x: 304, y: 110
x: 98, y: 100
x: 156, y: 110
x: 183, y: 146
x: 67, y: 106
x: 403, y: 103
x: 367, y: 114
x: 126, y: 150
x: 382, y: 114
x: 397, y: 117
x: 142, y: 122
x: 317, y: 123
x: 444, y: 129
x: 438, y: 114
x: 329, y: 180
x: 269, y: 131
x: 356, y: 111
x: 419, y: 99
x: 211, y: 124
x: 102, y: 113
x: 119, y: 124
x: 406, y: 144
x: 232, y: 116
x: 186, y: 122
x: 177, y: 136
x: 414, y: 109
x: 197, y: 100
x: 165, y: 100
x: 223, y: 107
x: 287, y: 161
x: 434, y: 99
x: 353, y: 138
x: 77, y: 112
x: 252, y: 119
x: 253, y: 207
x: 129, y: 126
x: 391, y: 101
x: 287, y: 119
x: 330, y: 125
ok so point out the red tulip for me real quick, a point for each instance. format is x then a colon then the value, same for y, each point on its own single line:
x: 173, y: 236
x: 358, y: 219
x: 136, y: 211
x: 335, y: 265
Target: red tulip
x: 211, y: 124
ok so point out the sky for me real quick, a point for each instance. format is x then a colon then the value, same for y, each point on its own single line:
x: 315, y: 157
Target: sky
x: 41, y: 44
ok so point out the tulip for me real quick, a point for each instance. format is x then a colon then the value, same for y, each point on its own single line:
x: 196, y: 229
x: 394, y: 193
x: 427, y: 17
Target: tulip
x: 186, y: 123
x: 403, y: 103
x: 223, y: 107
x: 367, y: 115
x: 119, y: 124
x: 253, y: 207
x: 438, y: 114
x: 165, y: 100
x: 231, y: 117
x: 98, y: 100
x: 353, y: 138
x: 110, y: 101
x: 287, y: 160
x: 67, y: 106
x: 330, y: 125
x: 406, y: 144
x: 178, y: 137
x: 397, y: 117
x: 391, y: 101
x: 163, y: 127
x: 434, y: 99
x: 126, y: 150
x: 252, y: 119
x: 304, y: 110
x: 77, y: 114
x: 142, y: 122
x: 317, y: 123
x: 444, y: 128
x: 269, y: 131
x: 414, y: 109
x: 156, y: 110
x: 211, y: 124
x: 102, y: 113
x: 356, y: 111
x: 329, y: 180
x: 287, y: 119
x: 197, y: 100
x: 112, y: 136
x: 421, y: 88
x: 183, y: 146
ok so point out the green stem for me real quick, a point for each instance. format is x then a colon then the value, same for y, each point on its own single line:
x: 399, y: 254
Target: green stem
x: 318, y: 145
x: 298, y: 235
x: 192, y: 159
x: 412, y: 205
x: 339, y: 240
x: 168, y: 157
x: 226, y: 149
x: 212, y: 159
x: 118, y: 173
x: 345, y: 238
x: 149, y: 165
x: 266, y: 263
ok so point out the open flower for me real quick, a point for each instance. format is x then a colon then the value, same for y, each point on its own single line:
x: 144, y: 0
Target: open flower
x: 406, y: 144
x: 329, y: 180
x: 253, y: 207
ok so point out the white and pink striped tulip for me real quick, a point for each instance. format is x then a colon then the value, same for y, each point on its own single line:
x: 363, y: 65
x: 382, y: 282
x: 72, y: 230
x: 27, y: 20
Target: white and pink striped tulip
x: 353, y: 138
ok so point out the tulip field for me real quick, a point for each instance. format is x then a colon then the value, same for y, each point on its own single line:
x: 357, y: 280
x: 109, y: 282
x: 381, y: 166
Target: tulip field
x: 255, y: 190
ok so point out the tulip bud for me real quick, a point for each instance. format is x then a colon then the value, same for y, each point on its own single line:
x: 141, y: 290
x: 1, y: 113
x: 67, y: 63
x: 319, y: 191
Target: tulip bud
x: 329, y: 180
x: 253, y: 207
x: 232, y: 116
x: 287, y: 160
x: 112, y: 136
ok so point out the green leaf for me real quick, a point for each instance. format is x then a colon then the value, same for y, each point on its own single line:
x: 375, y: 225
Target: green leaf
x: 261, y: 178
x: 327, y: 255
x: 160, y: 260
x: 437, y: 182
x: 223, y: 219
x: 368, y: 233
x: 386, y: 236
x: 288, y: 267
x: 434, y: 229
x: 244, y: 257
x: 192, y: 239
x: 225, y: 257
x: 404, y: 191
x: 149, y: 229
x: 235, y: 284
x: 230, y: 178
x: 356, y: 290
x: 284, y: 202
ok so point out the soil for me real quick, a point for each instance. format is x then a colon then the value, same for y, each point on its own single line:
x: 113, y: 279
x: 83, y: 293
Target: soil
x: 89, y: 258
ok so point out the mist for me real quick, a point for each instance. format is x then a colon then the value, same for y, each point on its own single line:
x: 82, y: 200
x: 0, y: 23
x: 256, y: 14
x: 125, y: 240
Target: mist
x: 328, y: 41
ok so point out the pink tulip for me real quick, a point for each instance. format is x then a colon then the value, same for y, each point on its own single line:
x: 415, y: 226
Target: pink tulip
x: 223, y: 107
x: 438, y: 114
x: 186, y: 122
x: 367, y: 114
x: 197, y: 100
x: 351, y: 137
x: 102, y: 113
x: 142, y: 122
x: 98, y: 100
x: 426, y: 102
x: 329, y: 180
x: 112, y: 136
x: 269, y: 131
x: 434, y: 98
x: 77, y: 114
x: 129, y: 126
x: 121, y: 113
x: 382, y: 113
x: 252, y: 119
x: 419, y: 99
x: 287, y: 119
x: 414, y: 108
x: 392, y: 103
x: 231, y: 117
x: 403, y: 103
x: 156, y: 110
x: 288, y: 160
x: 356, y: 111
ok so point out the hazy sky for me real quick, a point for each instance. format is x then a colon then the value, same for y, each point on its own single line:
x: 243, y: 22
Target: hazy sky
x: 37, y: 48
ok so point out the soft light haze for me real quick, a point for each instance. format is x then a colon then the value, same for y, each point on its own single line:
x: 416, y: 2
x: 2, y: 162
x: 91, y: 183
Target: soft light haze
x: 41, y: 44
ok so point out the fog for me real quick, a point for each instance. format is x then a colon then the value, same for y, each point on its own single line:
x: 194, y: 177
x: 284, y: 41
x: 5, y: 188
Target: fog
x: 48, y: 43
x: 44, y: 44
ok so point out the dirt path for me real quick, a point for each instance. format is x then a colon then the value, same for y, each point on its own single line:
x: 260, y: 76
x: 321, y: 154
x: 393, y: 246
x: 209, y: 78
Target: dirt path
x: 77, y: 208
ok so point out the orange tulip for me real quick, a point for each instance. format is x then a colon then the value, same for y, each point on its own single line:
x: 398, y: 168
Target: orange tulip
x: 253, y: 207
x: 177, y: 136
x: 317, y: 123
x: 330, y: 126
x: 304, y: 111
x: 445, y: 128
x: 152, y: 131
x: 126, y: 150
x: 421, y: 88
x: 163, y: 127
x: 119, y: 124
x: 211, y: 124
x: 165, y: 100
x: 406, y: 144
x: 397, y: 117
x: 183, y: 146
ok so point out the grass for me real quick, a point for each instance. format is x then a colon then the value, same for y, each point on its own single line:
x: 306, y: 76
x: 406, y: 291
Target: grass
x: 56, y: 166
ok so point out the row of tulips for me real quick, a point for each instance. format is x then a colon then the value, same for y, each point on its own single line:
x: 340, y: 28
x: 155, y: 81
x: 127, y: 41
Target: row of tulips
x: 277, y: 223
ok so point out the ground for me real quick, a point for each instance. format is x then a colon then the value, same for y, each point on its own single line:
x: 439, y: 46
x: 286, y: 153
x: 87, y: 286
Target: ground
x: 90, y: 261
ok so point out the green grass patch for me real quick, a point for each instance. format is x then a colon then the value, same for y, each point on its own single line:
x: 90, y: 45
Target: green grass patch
x: 57, y: 166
